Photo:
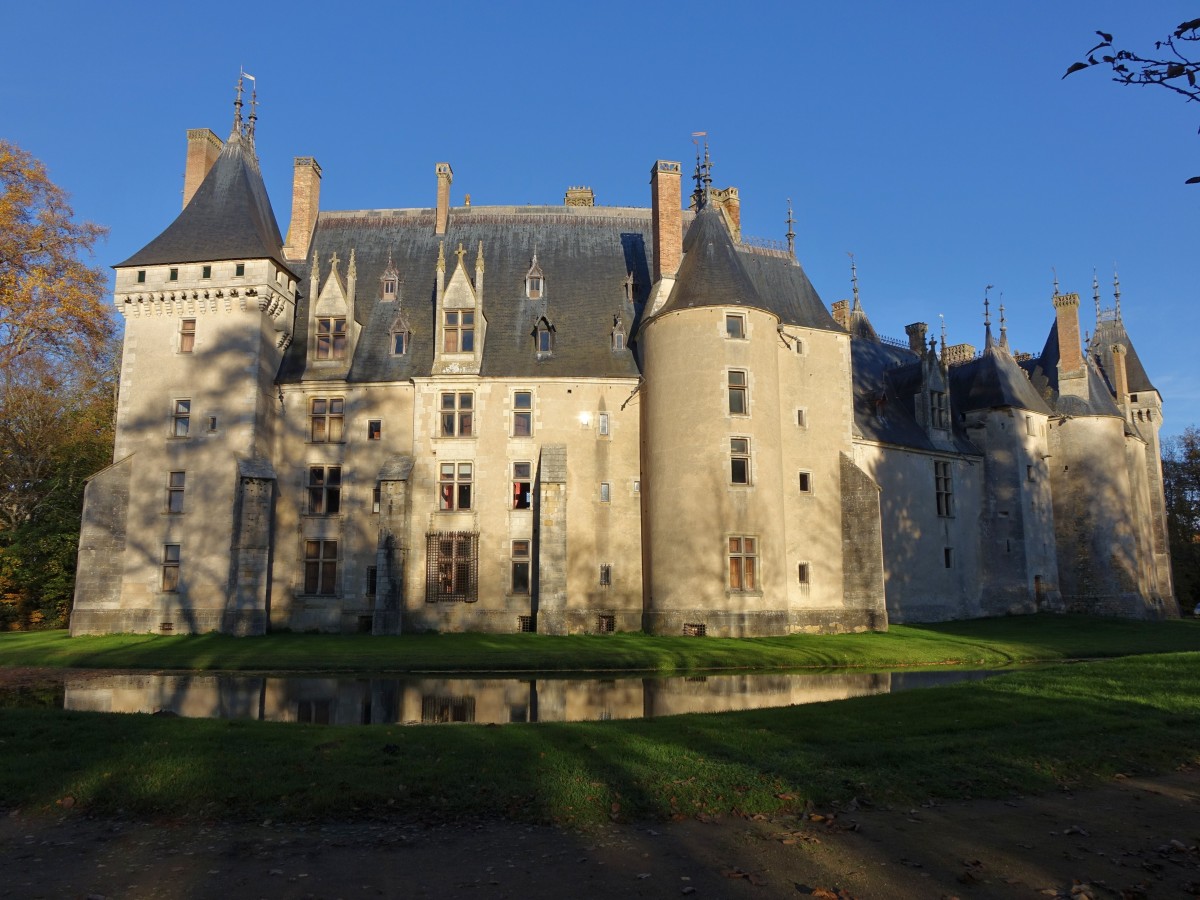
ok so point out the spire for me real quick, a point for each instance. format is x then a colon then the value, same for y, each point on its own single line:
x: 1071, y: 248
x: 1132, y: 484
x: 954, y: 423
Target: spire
x: 352, y: 271
x: 791, y: 232
x: 1096, y: 293
x: 707, y: 173
x: 237, y: 109
x: 441, y: 260
x: 943, y: 318
x: 854, y: 283
x: 1055, y: 271
x: 987, y: 318
x: 1117, y: 291
x: 479, y: 257
x: 1003, y: 329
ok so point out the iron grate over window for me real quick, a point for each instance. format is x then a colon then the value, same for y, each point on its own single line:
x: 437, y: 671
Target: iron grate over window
x: 694, y: 629
x: 606, y: 624
x: 451, y: 566
x: 438, y: 709
x: 525, y: 624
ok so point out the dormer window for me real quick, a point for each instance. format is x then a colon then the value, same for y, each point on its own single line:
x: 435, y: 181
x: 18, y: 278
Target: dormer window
x: 400, y: 335
x: 390, y: 280
x: 389, y: 289
x: 331, y: 337
x: 459, y: 332
x: 535, y: 281
x: 618, y: 334
x: 544, y: 337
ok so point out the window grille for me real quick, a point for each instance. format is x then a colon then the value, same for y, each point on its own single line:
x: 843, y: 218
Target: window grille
x: 694, y: 629
x: 525, y: 624
x: 606, y: 624
x: 451, y: 566
x: 439, y: 710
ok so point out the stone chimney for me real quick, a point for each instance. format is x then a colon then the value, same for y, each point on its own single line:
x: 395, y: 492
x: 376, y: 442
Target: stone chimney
x: 1120, y: 376
x: 579, y: 196
x: 667, y: 212
x: 445, y: 177
x: 841, y: 313
x: 306, y: 202
x: 916, y: 337
x: 731, y: 204
x: 1070, y: 347
x: 203, y: 148
x: 958, y: 353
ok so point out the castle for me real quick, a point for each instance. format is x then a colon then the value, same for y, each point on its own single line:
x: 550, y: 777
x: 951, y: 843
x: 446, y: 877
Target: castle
x: 585, y: 419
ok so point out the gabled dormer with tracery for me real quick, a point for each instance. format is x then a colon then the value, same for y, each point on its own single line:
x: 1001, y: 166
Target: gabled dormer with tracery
x: 333, y: 331
x: 461, y: 326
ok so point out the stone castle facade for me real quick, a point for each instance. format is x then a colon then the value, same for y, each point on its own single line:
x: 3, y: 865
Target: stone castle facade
x: 585, y: 419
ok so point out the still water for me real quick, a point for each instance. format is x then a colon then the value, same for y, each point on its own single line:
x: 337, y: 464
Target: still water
x: 415, y: 700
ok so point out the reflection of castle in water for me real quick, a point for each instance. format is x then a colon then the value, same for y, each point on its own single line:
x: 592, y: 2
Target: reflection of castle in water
x: 381, y: 701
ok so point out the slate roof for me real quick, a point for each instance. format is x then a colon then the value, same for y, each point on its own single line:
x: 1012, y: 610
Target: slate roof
x: 229, y: 217
x: 715, y: 272
x: 1043, y: 375
x: 993, y: 380
x: 585, y: 253
x: 1111, y: 331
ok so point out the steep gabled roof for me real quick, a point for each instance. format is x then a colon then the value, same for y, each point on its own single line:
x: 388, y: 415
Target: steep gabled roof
x: 229, y: 217
x: 994, y: 380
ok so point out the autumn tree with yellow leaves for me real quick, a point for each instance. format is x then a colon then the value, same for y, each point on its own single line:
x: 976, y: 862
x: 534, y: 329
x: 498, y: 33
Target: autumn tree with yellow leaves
x: 57, y: 388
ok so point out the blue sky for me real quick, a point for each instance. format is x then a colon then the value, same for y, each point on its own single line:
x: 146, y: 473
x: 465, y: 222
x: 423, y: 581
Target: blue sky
x: 936, y: 141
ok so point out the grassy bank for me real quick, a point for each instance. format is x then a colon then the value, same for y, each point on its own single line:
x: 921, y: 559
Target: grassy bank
x: 981, y: 642
x: 1018, y: 733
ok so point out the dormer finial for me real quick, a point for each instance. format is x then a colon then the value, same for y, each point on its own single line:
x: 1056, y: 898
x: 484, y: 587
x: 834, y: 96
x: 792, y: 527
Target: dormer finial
x: 1117, y: 291
x: 854, y: 283
x: 1003, y: 327
x: 1096, y: 292
x: 987, y: 317
x: 1055, y: 271
x: 791, y: 232
x: 237, y: 108
x: 479, y: 257
x: 253, y: 105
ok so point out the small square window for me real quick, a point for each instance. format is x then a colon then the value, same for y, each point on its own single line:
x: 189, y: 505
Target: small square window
x: 637, y: 485
x: 239, y: 269
x: 802, y: 572
x: 141, y: 276
x: 605, y: 492
x: 206, y: 271
x: 173, y: 275
x: 374, y: 429
x: 806, y: 482
x: 735, y: 326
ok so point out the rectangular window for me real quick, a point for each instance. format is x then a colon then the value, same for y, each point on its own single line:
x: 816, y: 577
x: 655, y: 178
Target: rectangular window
x: 173, y: 275
x: 326, y: 416
x: 522, y: 482
x: 187, y: 335
x: 806, y: 482
x: 372, y: 580
x: 1029, y: 475
x: 454, y: 486
x: 206, y: 271
x: 374, y: 429
x: 948, y: 557
x: 522, y: 414
x: 458, y: 414
x: 452, y: 566
x: 320, y: 567
x: 605, y: 574
x: 175, y: 482
x: 739, y: 460
x: 181, y: 418
x: 939, y: 410
x: 520, y: 567
x: 458, y: 332
x: 170, y: 568
x: 803, y: 573
x: 737, y: 393
x: 324, y: 490
x: 212, y: 424
x: 141, y: 276
x: 944, y: 488
x: 376, y: 498
x: 603, y: 424
x: 331, y: 337
x: 801, y: 418
x: 1030, y: 427
x: 743, y: 563
x: 735, y: 326
x: 605, y: 492
x: 399, y: 343
x: 239, y: 269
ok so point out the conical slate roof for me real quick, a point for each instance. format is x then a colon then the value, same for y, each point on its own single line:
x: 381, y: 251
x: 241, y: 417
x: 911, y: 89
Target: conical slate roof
x: 1043, y: 375
x: 229, y: 217
x: 994, y: 380
x: 711, y: 273
x: 1112, y: 331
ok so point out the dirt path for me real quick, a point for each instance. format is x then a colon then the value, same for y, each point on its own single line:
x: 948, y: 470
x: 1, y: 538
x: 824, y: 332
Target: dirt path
x: 1134, y: 838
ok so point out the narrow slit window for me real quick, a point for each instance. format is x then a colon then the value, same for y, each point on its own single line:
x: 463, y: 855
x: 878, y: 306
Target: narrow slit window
x: 520, y: 567
x: 522, y: 481
x: 739, y: 460
x: 175, y: 487
x: 170, y: 568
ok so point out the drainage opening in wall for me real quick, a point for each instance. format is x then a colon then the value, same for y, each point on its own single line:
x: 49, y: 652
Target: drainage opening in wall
x: 525, y: 624
x: 606, y: 624
x: 166, y: 627
x: 694, y: 629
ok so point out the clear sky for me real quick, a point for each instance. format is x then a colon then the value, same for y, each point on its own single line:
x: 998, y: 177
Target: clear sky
x: 934, y: 140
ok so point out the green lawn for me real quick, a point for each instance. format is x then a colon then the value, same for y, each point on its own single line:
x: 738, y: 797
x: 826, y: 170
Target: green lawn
x: 979, y: 643
x: 1024, y: 732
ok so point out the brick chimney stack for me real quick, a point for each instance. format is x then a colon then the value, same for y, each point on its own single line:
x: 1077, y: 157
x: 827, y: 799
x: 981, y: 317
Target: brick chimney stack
x: 203, y: 148
x: 667, y: 212
x: 841, y: 313
x: 916, y: 337
x: 1070, y: 347
x: 306, y: 202
x: 445, y: 177
x: 1120, y: 376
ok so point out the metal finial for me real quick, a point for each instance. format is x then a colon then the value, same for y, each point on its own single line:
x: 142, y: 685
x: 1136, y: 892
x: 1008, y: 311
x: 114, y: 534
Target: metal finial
x: 987, y: 315
x: 698, y: 194
x: 943, y: 318
x: 1096, y: 292
x: 854, y: 282
x: 707, y: 173
x: 1117, y: 291
x: 1055, y: 271
x: 791, y: 232
x: 237, y: 108
x: 1003, y: 326
x: 253, y: 104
